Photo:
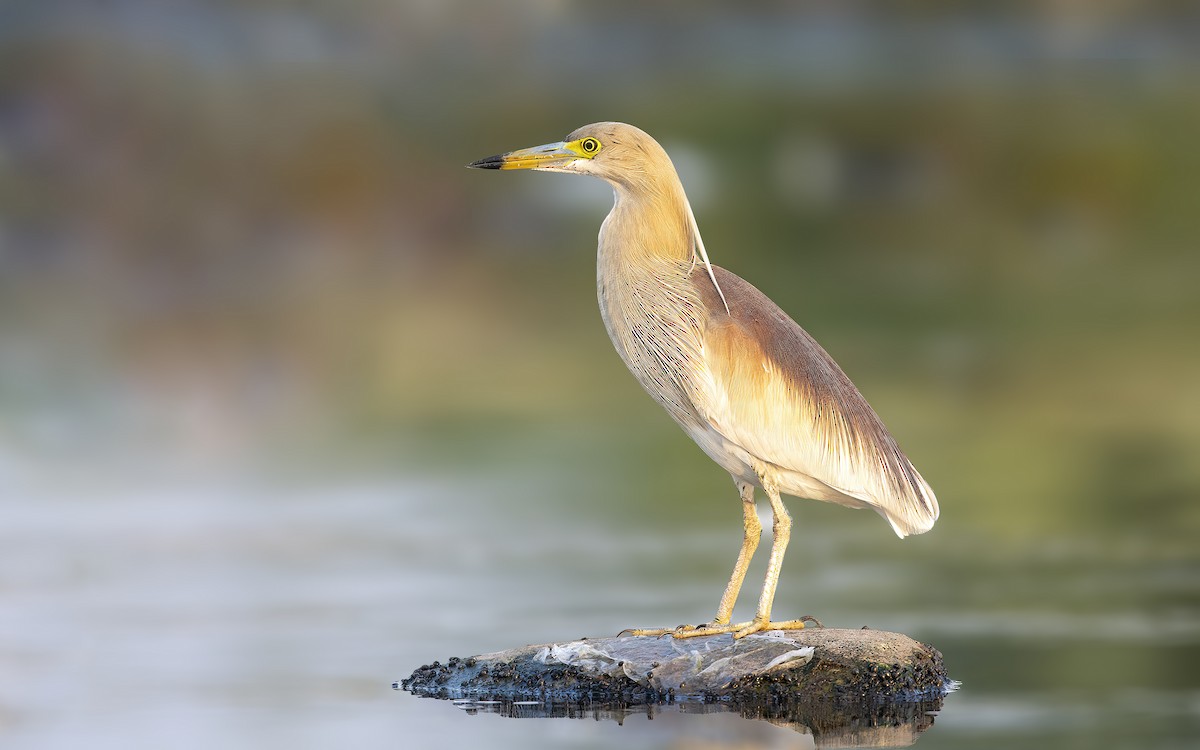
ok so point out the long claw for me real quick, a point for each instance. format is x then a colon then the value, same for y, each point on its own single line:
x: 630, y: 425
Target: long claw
x: 658, y: 632
x: 762, y: 626
x: 644, y: 631
x: 739, y: 630
x: 679, y: 631
x: 706, y: 630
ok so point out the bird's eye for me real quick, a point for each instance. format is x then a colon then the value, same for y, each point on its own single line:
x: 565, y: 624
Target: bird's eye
x: 589, y: 145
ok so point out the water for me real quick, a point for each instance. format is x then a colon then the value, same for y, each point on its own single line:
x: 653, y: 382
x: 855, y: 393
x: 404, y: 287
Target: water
x: 254, y: 612
x: 1015, y: 294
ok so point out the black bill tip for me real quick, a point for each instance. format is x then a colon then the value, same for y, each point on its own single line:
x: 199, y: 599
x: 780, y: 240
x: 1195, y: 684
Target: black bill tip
x: 489, y: 162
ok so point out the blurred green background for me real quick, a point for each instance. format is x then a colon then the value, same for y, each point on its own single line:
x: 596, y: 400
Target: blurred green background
x: 237, y: 226
x: 237, y: 240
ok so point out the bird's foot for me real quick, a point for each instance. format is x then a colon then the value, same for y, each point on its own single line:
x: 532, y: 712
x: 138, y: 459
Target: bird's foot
x: 743, y: 629
x: 739, y: 630
x: 658, y: 632
x: 762, y: 625
x: 708, y: 628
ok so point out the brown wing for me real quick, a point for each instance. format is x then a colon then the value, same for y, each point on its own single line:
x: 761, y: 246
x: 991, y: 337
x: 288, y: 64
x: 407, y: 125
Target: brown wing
x: 779, y: 396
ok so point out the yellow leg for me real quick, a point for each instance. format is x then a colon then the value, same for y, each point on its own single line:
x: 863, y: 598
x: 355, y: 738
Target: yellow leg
x: 782, y: 528
x: 752, y: 532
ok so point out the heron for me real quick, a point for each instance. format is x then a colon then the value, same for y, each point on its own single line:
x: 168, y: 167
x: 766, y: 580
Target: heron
x: 751, y: 387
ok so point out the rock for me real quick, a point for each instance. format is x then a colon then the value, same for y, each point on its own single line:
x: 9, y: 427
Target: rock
x: 846, y: 686
x: 822, y: 663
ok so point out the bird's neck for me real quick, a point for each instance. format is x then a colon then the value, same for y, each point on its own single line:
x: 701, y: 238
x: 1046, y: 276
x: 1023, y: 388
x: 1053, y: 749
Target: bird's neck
x: 648, y: 231
x: 650, y: 308
x: 647, y: 251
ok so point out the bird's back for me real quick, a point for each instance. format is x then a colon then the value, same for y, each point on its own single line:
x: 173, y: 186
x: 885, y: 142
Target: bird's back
x: 772, y: 395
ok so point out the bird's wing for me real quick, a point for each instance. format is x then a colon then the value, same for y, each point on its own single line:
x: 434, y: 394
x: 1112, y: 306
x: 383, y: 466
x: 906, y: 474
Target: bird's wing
x: 773, y: 391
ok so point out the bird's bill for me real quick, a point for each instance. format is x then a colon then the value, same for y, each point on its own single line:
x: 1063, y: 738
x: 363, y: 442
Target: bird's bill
x: 546, y: 156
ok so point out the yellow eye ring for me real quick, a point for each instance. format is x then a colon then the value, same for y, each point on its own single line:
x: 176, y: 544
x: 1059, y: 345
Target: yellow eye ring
x: 589, y: 146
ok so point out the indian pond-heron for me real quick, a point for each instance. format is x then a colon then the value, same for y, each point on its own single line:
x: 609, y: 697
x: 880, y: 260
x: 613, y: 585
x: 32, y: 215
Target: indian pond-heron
x: 750, y: 386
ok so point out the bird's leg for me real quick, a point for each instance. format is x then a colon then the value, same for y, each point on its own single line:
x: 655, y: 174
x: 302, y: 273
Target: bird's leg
x: 753, y: 532
x: 782, y: 527
x: 720, y: 624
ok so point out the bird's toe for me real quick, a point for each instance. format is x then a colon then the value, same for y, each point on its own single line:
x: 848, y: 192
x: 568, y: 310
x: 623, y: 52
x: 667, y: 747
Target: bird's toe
x: 762, y: 625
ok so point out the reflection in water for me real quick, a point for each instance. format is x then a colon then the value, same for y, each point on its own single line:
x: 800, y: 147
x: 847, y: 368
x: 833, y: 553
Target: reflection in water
x: 828, y: 726
x: 844, y: 687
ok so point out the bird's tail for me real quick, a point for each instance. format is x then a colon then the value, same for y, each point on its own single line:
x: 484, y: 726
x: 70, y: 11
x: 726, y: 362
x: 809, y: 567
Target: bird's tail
x: 916, y: 513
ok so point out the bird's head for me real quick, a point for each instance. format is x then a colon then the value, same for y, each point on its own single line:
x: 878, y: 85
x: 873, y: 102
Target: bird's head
x: 613, y: 151
x: 633, y: 163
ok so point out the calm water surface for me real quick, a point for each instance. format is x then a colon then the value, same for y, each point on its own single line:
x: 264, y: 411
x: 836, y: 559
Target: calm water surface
x: 253, y: 613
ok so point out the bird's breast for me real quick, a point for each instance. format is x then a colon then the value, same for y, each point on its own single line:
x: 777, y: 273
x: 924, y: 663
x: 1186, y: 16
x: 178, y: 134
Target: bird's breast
x: 655, y: 321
